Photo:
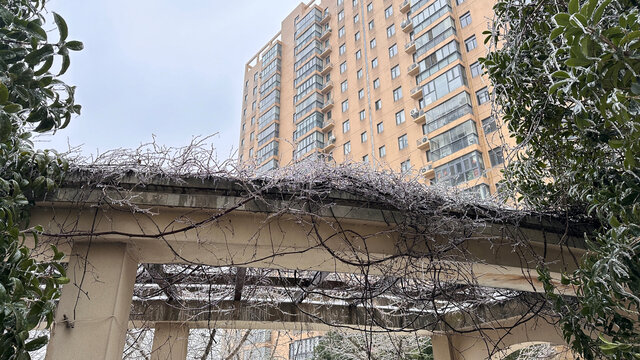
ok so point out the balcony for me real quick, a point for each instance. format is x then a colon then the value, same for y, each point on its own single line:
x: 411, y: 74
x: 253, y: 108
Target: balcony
x: 418, y: 116
x: 325, y: 18
x: 413, y: 69
x: 423, y: 143
x: 407, y: 25
x: 327, y: 87
x: 428, y: 172
x: 405, y: 7
x: 327, y: 125
x: 410, y: 47
x: 417, y: 93
x: 331, y: 143
x: 325, y: 52
x: 326, y: 69
x: 327, y: 106
x: 325, y: 34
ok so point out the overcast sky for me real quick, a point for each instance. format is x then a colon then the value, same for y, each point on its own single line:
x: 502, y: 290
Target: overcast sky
x: 165, y: 67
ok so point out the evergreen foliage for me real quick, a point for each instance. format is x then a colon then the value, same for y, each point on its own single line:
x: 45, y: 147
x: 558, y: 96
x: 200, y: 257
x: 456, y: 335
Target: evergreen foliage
x: 566, y: 78
x: 32, y: 98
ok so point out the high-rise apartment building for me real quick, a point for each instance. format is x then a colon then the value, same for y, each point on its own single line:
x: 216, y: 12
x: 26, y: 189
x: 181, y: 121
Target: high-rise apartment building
x: 393, y: 83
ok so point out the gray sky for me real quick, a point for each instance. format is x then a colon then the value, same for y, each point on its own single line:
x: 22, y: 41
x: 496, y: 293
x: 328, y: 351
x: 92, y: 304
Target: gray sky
x: 170, y: 68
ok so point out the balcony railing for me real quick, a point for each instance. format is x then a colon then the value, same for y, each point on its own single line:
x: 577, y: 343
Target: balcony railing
x: 405, y: 7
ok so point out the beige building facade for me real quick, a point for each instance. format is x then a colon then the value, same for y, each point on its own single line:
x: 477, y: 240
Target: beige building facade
x: 393, y: 83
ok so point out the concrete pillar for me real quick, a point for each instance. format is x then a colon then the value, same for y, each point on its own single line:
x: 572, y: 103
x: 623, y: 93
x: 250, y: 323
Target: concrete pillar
x: 442, y: 348
x: 93, y: 312
x: 170, y: 341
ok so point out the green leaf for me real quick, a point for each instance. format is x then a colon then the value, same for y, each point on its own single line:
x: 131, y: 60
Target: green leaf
x: 574, y: 6
x: 12, y: 108
x: 562, y: 19
x: 575, y: 62
x: 36, y: 56
x: 4, y: 94
x: 62, y: 26
x: 630, y: 37
x: 597, y: 15
x: 34, y: 28
x: 616, y: 143
x: 561, y: 75
x: 36, y: 343
x: 556, y: 32
x: 75, y: 45
x: 45, y: 67
x: 65, y: 64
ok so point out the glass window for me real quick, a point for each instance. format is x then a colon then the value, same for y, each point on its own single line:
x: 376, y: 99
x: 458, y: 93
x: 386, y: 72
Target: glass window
x: 362, y: 115
x: 458, y: 2
x: 382, y: 151
x: 363, y: 137
x: 482, y: 95
x: 380, y: 127
x: 355, y: 3
x: 405, y: 166
x: 376, y: 83
x: 374, y: 63
x: 388, y: 12
x: 345, y: 105
x: 403, y: 142
x: 371, y: 25
x: 391, y: 30
x: 343, y: 67
x: 373, y: 43
x: 476, y: 69
x: 393, y: 50
x: 340, y: 2
x: 400, y: 117
x: 369, y: 6
x: 357, y: 35
x: 358, y: 54
x: 489, y: 125
x: 347, y: 148
x: 251, y: 136
x: 356, y: 18
x: 360, y: 93
x: 341, y: 32
x: 471, y: 43
x: 460, y: 170
x: 345, y: 126
x: 341, y: 15
x: 465, y: 19
x: 364, y: 158
x: 343, y: 86
x: 395, y: 72
x: 496, y: 156
x: 452, y: 140
x: 442, y: 85
x: 397, y: 94
x: 342, y: 49
x: 359, y: 73
x: 378, y: 104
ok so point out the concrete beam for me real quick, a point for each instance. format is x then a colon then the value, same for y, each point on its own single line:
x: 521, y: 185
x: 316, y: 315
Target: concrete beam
x: 227, y: 314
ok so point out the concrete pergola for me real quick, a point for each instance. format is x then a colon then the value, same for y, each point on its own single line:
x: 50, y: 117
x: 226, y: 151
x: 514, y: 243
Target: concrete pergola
x: 217, y: 222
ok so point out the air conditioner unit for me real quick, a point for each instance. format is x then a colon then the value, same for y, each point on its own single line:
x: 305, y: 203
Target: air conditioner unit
x: 424, y: 139
x: 424, y: 169
x: 332, y: 139
x: 415, y: 113
x: 473, y: 140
